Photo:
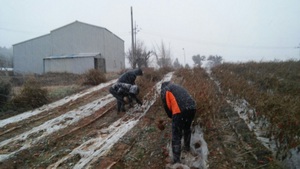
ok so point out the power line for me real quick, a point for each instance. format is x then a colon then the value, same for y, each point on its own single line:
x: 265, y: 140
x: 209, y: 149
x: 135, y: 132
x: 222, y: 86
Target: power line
x: 15, y: 30
x: 299, y: 49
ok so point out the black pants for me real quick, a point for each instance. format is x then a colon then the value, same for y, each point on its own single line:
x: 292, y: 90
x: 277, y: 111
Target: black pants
x: 181, y: 125
x: 120, y: 99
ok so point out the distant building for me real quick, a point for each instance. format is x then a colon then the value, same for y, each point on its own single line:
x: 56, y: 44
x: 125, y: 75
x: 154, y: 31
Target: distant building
x: 74, y: 48
x: 6, y: 71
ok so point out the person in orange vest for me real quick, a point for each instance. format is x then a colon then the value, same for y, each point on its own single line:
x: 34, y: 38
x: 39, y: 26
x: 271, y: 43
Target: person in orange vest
x: 181, y: 108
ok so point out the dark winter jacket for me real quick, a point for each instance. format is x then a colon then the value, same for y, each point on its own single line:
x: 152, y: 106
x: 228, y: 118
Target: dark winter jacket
x: 121, y: 88
x: 176, y: 99
x: 124, y: 89
x: 130, y: 76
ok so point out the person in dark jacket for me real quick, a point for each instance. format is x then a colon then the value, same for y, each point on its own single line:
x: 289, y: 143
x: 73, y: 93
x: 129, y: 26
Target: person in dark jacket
x: 121, y: 90
x: 130, y: 76
x: 181, y: 108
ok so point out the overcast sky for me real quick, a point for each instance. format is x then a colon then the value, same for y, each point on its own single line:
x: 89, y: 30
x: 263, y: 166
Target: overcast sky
x: 237, y: 30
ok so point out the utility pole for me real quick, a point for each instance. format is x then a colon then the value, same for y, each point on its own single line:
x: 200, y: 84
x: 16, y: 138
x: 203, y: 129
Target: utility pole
x: 137, y: 57
x: 184, y: 55
x: 132, y: 34
x: 135, y: 32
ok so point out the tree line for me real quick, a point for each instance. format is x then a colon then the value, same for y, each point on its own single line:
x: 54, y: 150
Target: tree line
x: 143, y: 57
x: 6, y: 57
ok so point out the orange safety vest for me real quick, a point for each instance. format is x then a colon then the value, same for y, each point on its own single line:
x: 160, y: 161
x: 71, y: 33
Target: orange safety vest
x: 172, y: 103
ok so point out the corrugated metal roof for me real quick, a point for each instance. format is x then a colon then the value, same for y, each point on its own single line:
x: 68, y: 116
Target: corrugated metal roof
x: 89, y: 25
x: 79, y: 55
x: 42, y: 36
x: 66, y: 26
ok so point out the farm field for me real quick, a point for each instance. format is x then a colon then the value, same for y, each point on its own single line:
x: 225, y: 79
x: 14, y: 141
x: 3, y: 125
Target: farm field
x: 84, y: 130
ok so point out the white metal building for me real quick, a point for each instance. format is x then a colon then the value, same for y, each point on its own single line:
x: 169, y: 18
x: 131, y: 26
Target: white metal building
x: 74, y: 48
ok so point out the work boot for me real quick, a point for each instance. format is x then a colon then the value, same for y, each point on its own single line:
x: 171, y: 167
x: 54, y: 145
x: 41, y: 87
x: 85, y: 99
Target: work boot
x: 176, y: 153
x: 187, y: 148
x: 123, y: 108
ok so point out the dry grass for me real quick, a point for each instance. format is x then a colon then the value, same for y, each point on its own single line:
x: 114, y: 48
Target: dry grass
x: 31, y: 96
x: 93, y: 77
x: 273, y: 89
x: 148, y: 80
x: 204, y: 91
x: 5, y: 89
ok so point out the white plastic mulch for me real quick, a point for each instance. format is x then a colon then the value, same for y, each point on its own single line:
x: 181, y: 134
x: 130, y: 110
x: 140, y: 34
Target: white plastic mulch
x: 96, y: 147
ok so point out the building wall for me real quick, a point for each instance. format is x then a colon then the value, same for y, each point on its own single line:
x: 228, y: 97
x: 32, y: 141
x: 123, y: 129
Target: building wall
x: 78, y: 65
x: 114, y: 52
x: 28, y: 56
x: 77, y: 38
x: 74, y: 38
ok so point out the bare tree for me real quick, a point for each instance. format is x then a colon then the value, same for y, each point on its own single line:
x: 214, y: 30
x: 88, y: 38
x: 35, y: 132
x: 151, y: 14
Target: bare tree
x: 131, y: 58
x: 163, y: 56
x: 176, y: 64
x: 214, y: 60
x: 6, y: 57
x: 141, y: 55
x: 198, y: 60
x: 2, y: 60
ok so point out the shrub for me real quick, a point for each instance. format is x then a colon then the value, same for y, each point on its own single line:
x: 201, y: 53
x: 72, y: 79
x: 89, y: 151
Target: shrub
x: 17, y: 80
x: 93, y: 77
x: 152, y: 75
x: 204, y: 91
x: 5, y: 89
x: 146, y: 82
x: 165, y: 70
x: 31, y: 96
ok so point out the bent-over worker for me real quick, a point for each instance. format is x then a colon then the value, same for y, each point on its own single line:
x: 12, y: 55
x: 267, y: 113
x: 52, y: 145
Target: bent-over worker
x: 181, y: 107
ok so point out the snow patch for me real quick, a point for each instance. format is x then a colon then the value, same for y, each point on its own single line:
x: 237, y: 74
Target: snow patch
x: 197, y: 156
x: 257, y: 126
x: 54, y: 125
